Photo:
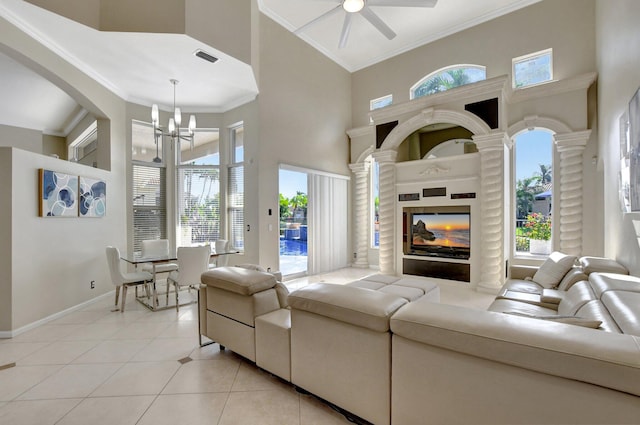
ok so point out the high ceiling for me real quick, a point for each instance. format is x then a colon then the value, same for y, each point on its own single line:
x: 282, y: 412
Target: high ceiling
x: 414, y: 26
x: 137, y: 66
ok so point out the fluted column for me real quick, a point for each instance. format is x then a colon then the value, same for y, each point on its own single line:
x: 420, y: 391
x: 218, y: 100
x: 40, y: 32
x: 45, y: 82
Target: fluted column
x: 387, y: 174
x: 361, y: 214
x: 571, y: 148
x: 490, y: 248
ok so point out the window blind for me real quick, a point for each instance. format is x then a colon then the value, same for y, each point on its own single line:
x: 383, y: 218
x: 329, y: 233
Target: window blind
x: 149, y: 204
x: 199, y: 204
x: 236, y: 206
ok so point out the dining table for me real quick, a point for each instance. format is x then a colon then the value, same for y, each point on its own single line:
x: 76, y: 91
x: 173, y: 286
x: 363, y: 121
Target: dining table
x: 136, y: 259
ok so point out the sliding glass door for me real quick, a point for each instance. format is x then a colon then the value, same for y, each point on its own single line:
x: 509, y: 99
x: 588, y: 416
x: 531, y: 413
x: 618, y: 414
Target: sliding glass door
x: 293, y: 222
x: 313, y: 221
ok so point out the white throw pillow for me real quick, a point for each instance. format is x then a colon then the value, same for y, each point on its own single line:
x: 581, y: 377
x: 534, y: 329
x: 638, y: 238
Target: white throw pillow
x: 553, y: 269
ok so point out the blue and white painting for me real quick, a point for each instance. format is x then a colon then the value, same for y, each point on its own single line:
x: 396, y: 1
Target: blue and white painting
x: 58, y: 194
x: 93, y: 197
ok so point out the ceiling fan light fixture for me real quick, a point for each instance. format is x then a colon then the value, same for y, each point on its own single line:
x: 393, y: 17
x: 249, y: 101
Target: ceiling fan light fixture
x: 353, y: 6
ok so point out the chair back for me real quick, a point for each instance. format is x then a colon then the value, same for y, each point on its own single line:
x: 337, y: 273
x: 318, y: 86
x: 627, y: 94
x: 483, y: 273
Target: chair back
x: 192, y: 262
x: 113, y: 261
x: 155, y: 248
x: 222, y: 245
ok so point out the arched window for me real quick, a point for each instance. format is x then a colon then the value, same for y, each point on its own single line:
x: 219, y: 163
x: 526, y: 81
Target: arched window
x: 448, y: 78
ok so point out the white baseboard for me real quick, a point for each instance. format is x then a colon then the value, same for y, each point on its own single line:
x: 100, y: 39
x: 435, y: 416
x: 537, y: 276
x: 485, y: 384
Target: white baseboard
x: 25, y: 328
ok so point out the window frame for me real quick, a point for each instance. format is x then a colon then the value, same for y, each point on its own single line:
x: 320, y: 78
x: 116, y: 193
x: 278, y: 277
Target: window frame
x: 527, y: 58
x: 427, y: 77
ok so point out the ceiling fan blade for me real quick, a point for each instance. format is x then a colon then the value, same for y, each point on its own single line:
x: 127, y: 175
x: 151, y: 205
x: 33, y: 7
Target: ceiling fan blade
x: 312, y: 22
x: 403, y: 3
x: 375, y: 20
x: 346, y: 27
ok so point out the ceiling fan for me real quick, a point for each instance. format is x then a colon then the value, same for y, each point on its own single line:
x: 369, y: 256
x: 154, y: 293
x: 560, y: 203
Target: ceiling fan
x: 363, y: 7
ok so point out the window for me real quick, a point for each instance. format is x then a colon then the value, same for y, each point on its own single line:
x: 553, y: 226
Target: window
x: 375, y: 204
x: 199, y: 189
x: 235, y: 197
x: 149, y: 186
x: 149, y: 203
x: 381, y: 102
x: 448, y: 78
x: 532, y: 69
x: 533, y: 153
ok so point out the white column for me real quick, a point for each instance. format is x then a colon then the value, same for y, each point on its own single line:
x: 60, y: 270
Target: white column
x: 490, y: 249
x: 570, y: 147
x: 361, y: 214
x: 386, y: 160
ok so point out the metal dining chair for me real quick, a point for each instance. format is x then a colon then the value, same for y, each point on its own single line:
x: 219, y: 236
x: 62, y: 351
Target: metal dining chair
x: 124, y: 280
x: 221, y: 245
x: 192, y: 262
x: 156, y: 248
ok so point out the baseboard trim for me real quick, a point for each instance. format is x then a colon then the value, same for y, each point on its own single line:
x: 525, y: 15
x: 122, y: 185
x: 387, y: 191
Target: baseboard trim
x: 25, y: 328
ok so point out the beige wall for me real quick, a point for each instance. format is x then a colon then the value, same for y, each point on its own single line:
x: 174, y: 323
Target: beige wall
x: 54, y: 260
x: 618, y: 41
x: 30, y: 140
x: 566, y: 26
x: 6, y: 231
x: 304, y: 112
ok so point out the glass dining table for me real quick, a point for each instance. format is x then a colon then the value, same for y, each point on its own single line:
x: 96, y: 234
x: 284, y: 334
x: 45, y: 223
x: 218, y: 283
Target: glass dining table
x: 136, y: 259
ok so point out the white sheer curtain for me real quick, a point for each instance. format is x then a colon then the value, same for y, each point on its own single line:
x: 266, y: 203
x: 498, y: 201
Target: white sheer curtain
x: 328, y: 212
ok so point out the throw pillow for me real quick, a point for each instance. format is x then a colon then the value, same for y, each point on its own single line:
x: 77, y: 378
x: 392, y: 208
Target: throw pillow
x: 569, y: 320
x: 553, y: 269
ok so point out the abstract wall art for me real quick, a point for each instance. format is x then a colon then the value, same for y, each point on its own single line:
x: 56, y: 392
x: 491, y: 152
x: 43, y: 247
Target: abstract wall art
x: 58, y: 194
x: 93, y: 197
x: 634, y: 151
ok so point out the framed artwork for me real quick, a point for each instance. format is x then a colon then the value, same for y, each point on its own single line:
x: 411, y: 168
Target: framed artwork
x: 58, y: 194
x: 623, y: 180
x: 634, y: 151
x: 93, y: 197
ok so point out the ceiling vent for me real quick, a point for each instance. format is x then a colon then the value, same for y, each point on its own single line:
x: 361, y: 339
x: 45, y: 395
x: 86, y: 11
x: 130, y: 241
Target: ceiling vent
x: 206, y: 56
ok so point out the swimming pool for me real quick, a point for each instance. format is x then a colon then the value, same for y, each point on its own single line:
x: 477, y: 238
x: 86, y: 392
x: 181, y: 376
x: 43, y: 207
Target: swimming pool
x: 293, y: 247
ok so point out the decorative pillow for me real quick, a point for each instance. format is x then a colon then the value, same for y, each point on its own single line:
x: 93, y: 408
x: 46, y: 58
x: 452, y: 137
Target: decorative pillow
x: 569, y: 320
x: 553, y: 269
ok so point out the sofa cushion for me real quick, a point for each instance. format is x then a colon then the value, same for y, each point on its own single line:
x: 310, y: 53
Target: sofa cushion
x: 239, y: 280
x: 624, y: 307
x: 509, y: 305
x: 357, y: 306
x: 579, y: 294
x: 520, y: 285
x: 553, y: 269
x: 569, y: 320
x: 603, y: 282
x: 603, y: 265
x: 573, y: 276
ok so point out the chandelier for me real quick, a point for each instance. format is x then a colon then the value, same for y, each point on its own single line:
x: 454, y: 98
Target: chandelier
x: 173, y: 128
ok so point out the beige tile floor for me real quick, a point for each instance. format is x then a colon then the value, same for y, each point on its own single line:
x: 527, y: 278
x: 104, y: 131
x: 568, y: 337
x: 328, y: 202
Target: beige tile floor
x: 97, y: 367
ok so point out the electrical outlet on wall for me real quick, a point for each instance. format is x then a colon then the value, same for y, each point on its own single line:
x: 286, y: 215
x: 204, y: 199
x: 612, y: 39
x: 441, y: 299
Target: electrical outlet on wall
x: 93, y: 284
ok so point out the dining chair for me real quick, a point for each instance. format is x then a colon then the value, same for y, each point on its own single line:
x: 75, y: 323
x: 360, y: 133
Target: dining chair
x: 221, y: 245
x: 192, y: 262
x: 124, y: 280
x: 154, y: 248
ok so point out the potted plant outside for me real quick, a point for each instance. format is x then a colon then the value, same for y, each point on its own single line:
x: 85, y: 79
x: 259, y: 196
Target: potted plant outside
x: 538, y: 228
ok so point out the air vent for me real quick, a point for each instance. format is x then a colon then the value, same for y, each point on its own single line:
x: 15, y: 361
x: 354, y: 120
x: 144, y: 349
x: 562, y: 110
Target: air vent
x: 206, y: 56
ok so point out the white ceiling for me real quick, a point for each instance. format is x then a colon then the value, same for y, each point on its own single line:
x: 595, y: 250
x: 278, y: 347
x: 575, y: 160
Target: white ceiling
x: 137, y: 66
x: 414, y: 26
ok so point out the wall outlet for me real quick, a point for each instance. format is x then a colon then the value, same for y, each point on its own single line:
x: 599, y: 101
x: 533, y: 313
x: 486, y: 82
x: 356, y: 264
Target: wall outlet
x: 93, y: 284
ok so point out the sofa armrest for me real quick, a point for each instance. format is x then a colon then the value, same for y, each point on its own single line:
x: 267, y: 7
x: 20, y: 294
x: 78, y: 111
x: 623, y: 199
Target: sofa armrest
x: 606, y: 359
x: 520, y: 272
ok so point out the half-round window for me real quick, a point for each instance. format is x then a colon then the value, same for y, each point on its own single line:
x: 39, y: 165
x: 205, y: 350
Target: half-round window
x: 448, y: 78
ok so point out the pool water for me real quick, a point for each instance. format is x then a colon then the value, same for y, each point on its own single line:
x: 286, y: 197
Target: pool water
x: 293, y: 247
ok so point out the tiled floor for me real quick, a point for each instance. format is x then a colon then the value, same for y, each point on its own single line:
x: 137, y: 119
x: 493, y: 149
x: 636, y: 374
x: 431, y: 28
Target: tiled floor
x: 99, y: 367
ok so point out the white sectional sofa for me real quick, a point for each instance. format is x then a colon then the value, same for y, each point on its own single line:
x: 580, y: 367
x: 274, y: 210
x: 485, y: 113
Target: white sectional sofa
x: 385, y: 350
